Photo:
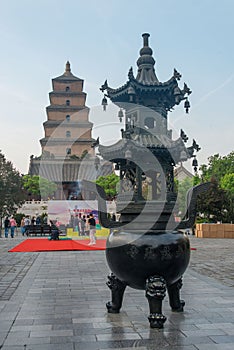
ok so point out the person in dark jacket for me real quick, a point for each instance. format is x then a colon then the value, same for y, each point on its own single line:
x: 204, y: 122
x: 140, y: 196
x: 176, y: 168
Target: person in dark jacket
x: 6, y: 226
x: 54, y: 232
x: 92, y: 229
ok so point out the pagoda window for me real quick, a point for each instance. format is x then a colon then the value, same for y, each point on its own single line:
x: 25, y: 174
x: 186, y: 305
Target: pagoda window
x: 68, y: 118
x: 150, y: 123
x: 68, y: 151
x: 68, y: 133
x: 67, y: 88
x: 68, y: 102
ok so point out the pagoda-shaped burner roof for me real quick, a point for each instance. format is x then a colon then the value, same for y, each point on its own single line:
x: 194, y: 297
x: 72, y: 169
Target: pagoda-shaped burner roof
x: 146, y: 102
x: 146, y: 73
x: 139, y: 145
x: 146, y: 87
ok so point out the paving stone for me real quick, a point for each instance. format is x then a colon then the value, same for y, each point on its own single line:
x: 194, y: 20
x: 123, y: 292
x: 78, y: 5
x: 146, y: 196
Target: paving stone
x: 56, y: 300
x: 214, y: 346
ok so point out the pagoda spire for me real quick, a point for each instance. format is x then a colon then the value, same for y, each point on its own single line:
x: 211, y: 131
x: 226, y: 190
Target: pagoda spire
x: 68, y: 69
x: 146, y: 73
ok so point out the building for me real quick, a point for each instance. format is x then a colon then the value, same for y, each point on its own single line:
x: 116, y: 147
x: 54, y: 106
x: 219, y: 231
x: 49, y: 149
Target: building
x: 67, y: 129
x: 182, y: 173
x: 67, y: 155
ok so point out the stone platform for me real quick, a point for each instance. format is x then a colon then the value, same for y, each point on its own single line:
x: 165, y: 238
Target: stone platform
x: 56, y: 300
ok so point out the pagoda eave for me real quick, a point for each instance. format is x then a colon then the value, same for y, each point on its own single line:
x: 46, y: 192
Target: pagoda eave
x: 117, y: 152
x: 67, y: 79
x: 161, y: 87
x: 67, y: 124
x: 64, y: 108
x: 132, y: 88
x: 68, y: 93
x: 59, y: 141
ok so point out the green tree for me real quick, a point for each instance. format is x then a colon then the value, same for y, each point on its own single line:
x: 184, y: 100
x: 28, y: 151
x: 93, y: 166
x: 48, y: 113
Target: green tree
x: 110, y: 184
x: 212, y: 204
x: 38, y: 186
x: 182, y: 189
x: 217, y: 167
x: 11, y: 191
x: 217, y: 204
x: 227, y: 183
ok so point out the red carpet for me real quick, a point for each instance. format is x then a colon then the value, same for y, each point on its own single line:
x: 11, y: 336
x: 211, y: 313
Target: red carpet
x: 43, y: 245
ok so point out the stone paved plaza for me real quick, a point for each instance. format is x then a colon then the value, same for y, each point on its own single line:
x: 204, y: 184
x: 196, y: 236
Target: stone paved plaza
x: 56, y: 300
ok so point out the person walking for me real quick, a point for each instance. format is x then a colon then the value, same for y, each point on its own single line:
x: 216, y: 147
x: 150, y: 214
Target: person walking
x: 22, y: 228
x: 82, y: 225
x: 92, y: 229
x: 79, y: 224
x: 38, y: 220
x: 87, y: 226
x: 6, y: 226
x: 76, y: 224
x: 27, y: 223
x: 13, y: 225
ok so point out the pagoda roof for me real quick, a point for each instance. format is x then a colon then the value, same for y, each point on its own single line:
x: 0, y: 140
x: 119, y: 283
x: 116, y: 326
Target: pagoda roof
x: 137, y: 87
x: 181, y: 172
x: 146, y: 84
x: 138, y: 145
x: 67, y: 75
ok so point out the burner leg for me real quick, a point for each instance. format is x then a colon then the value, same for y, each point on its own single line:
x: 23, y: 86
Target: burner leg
x: 177, y: 305
x: 155, y: 293
x: 117, y: 288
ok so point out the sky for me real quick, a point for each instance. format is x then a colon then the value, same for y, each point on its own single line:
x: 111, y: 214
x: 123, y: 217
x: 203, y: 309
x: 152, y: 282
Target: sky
x: 102, y: 39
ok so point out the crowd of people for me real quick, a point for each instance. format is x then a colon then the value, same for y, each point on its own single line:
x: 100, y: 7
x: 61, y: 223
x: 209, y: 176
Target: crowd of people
x: 84, y: 225
x: 10, y: 224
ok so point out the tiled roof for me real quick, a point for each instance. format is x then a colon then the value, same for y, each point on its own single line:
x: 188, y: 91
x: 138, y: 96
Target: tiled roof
x: 160, y: 147
x: 181, y: 172
x: 66, y: 78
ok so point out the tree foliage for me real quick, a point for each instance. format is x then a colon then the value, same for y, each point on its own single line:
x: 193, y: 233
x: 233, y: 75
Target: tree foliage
x: 217, y: 167
x: 38, y: 186
x: 110, y: 184
x: 11, y: 192
x: 217, y: 204
x: 213, y: 203
x: 227, y: 183
x: 182, y: 189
